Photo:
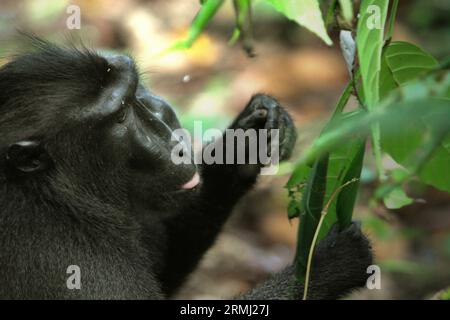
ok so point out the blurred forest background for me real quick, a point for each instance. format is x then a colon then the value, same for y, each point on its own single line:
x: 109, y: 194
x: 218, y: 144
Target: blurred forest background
x: 212, y: 82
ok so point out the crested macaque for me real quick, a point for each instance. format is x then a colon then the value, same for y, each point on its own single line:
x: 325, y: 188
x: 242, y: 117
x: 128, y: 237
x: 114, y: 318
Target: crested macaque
x: 86, y: 179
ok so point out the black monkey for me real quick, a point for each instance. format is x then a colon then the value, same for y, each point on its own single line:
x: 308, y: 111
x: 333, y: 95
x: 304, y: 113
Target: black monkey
x: 86, y: 179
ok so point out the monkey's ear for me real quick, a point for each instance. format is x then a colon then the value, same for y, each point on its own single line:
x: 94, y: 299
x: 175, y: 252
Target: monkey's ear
x: 28, y: 156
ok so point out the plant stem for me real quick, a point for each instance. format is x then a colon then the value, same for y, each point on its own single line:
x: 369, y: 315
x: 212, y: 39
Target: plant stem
x: 391, y: 21
x: 316, y: 234
x: 376, y: 146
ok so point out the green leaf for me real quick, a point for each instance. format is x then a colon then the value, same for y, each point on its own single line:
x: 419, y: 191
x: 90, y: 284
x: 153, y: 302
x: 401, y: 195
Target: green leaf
x: 387, y: 82
x: 295, y: 186
x: 298, y: 176
x: 413, y: 134
x: 407, y: 61
x: 341, y: 161
x: 306, y: 13
x: 392, y: 115
x: 338, y: 164
x: 293, y: 209
x: 396, y: 199
x: 205, y: 14
x: 369, y: 39
x: 436, y: 171
x: 347, y: 197
x: 311, y: 206
x: 370, y: 43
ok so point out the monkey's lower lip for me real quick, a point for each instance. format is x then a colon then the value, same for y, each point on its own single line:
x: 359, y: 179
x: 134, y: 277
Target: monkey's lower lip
x: 195, y: 180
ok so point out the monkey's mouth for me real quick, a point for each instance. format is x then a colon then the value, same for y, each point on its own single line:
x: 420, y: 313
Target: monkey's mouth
x: 192, y: 183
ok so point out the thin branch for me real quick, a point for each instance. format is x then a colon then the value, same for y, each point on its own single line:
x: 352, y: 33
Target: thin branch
x: 391, y: 21
x: 316, y: 234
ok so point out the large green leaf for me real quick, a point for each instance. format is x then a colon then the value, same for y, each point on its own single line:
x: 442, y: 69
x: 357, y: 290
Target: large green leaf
x: 436, y: 171
x: 407, y: 61
x: 387, y: 82
x: 339, y: 162
x: 310, y: 211
x: 347, y: 197
x: 370, y: 42
x: 306, y: 13
x: 408, y: 142
x: 203, y: 17
x: 404, y: 62
x: 340, y: 168
x: 392, y: 114
x: 327, y: 175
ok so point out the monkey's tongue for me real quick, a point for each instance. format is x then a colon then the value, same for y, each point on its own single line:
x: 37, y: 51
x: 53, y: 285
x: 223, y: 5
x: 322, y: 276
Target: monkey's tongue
x: 192, y: 183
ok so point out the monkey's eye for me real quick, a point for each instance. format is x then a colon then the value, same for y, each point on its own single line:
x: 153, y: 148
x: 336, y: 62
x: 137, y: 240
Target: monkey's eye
x: 122, y: 115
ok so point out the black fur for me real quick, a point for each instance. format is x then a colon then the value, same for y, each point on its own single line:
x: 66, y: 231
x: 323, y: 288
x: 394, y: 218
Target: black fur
x: 81, y: 185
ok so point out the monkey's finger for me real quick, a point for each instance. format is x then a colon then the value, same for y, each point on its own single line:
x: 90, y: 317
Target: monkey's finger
x: 256, y: 118
x: 272, y: 118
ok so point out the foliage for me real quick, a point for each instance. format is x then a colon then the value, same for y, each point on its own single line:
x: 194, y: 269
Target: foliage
x: 404, y: 106
x: 306, y: 13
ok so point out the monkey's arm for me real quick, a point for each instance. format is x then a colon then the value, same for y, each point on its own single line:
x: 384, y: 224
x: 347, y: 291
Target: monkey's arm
x: 194, y: 230
x: 339, y: 266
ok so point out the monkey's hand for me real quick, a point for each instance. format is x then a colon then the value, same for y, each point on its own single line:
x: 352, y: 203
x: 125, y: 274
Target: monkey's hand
x: 265, y: 112
x: 339, y: 266
x: 340, y: 263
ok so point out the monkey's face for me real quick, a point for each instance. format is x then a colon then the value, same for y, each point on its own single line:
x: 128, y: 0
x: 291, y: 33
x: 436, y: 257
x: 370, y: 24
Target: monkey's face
x: 141, y: 136
x: 116, y: 141
x: 138, y: 137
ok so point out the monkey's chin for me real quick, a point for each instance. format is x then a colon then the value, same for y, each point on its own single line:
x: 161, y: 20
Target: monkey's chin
x: 191, y: 184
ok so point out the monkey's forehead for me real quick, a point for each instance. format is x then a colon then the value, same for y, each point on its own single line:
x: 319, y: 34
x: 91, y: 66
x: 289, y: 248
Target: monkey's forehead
x: 51, y: 72
x: 55, y: 64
